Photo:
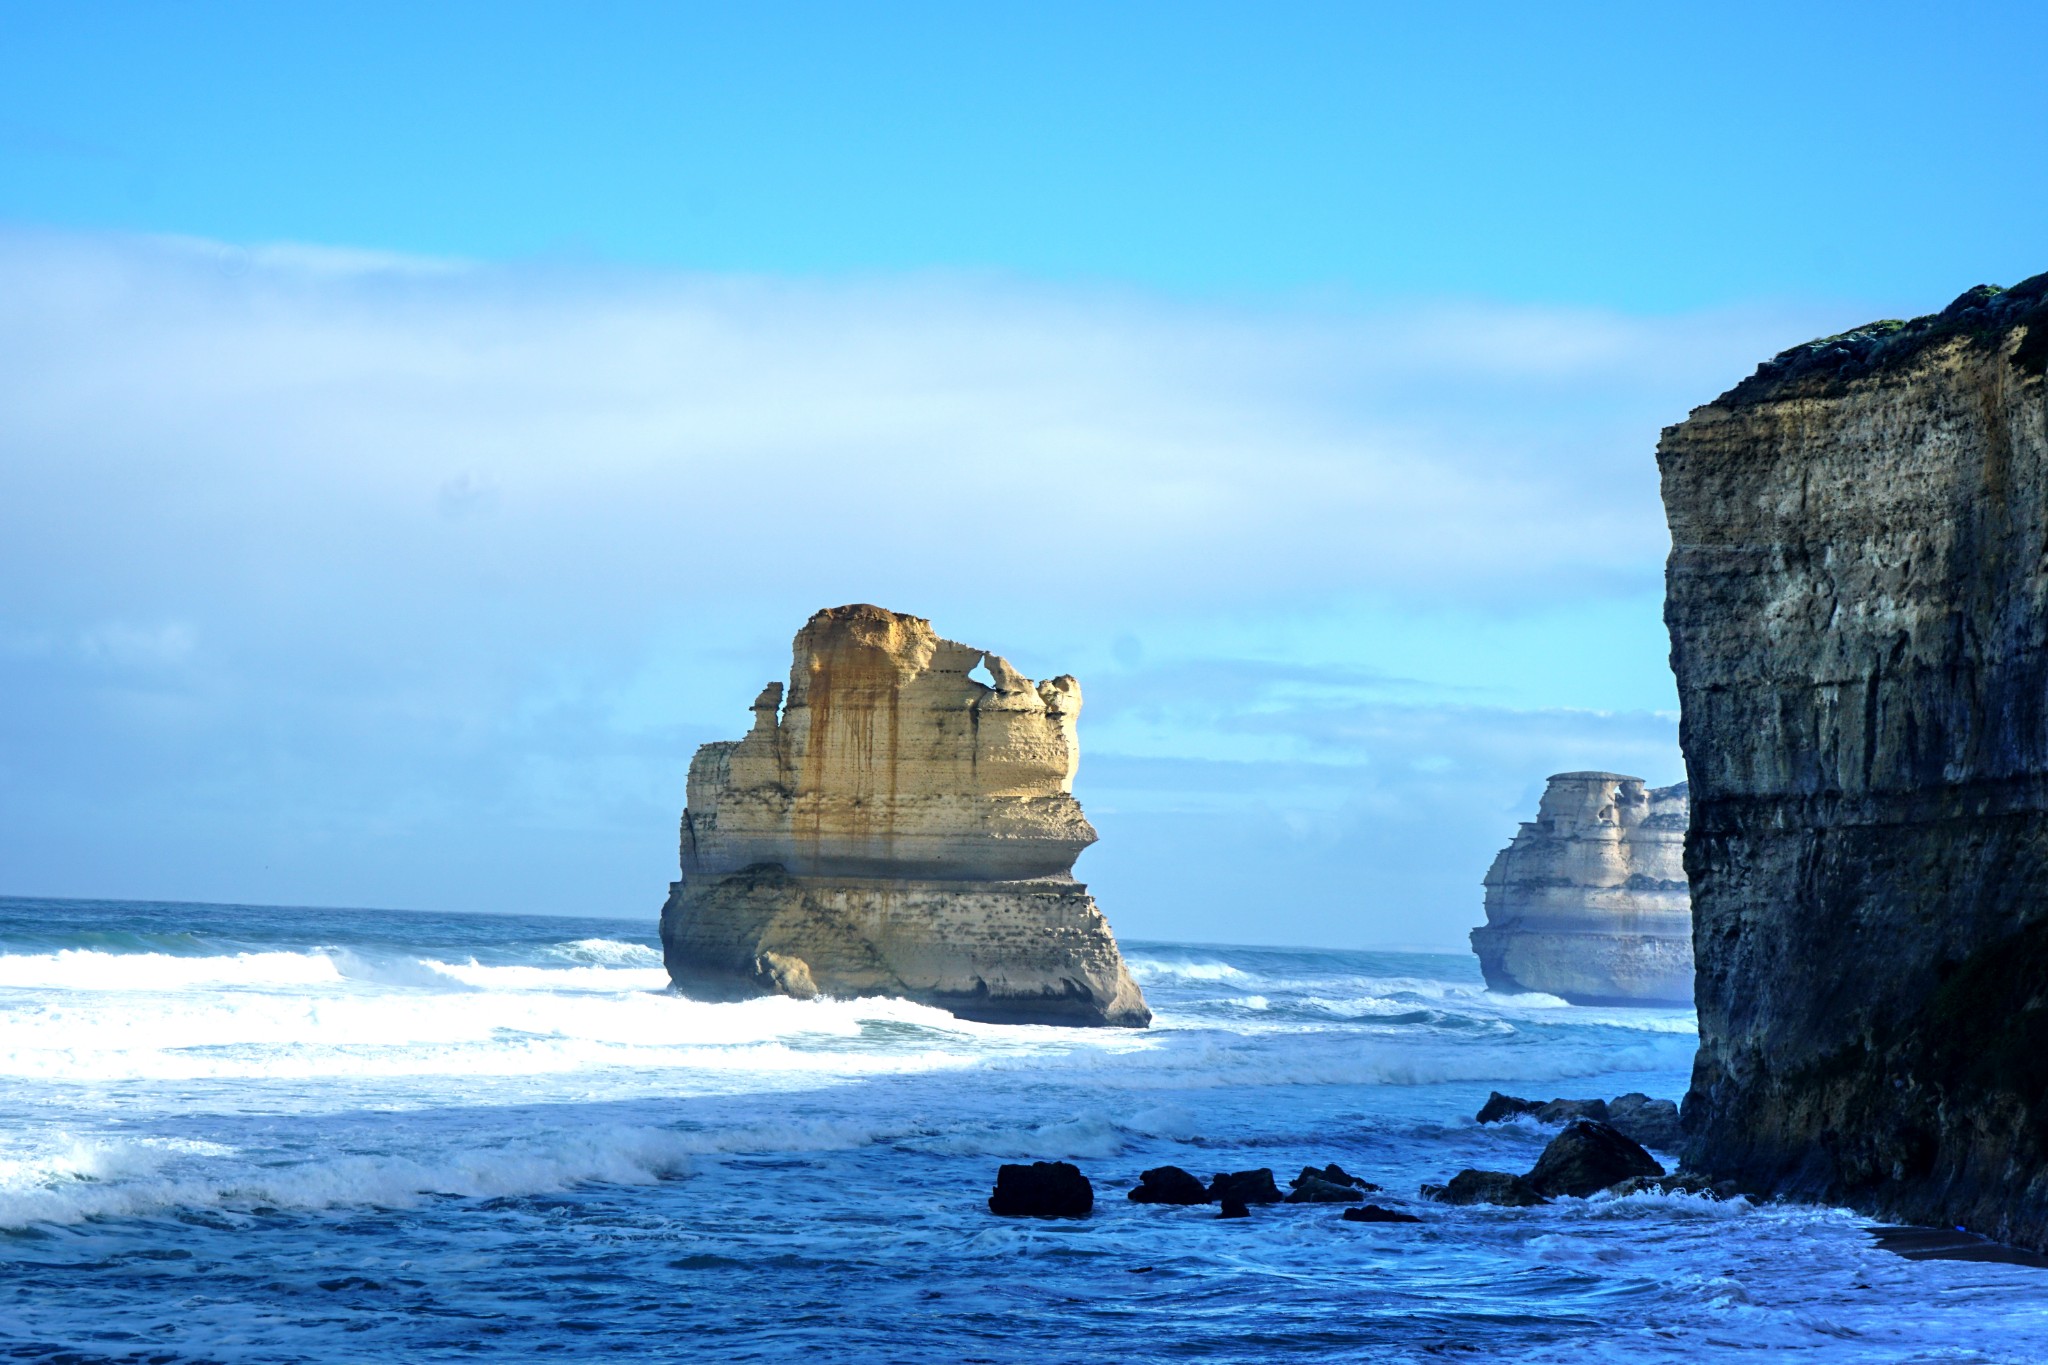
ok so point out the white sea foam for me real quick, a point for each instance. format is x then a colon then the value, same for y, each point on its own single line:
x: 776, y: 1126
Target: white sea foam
x: 605, y: 952
x: 86, y: 969
x: 118, y: 1180
x: 1152, y: 969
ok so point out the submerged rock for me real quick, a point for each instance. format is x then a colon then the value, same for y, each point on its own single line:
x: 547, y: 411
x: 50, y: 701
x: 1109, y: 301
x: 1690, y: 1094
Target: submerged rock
x: 894, y: 826
x: 1588, y: 1157
x: 1589, y: 901
x: 1168, y: 1185
x: 1332, y: 1174
x: 1682, y: 1182
x: 1248, y: 1187
x: 1486, y: 1187
x: 1234, y: 1208
x: 1858, y: 604
x: 1044, y: 1189
x: 1373, y: 1213
x: 1316, y: 1190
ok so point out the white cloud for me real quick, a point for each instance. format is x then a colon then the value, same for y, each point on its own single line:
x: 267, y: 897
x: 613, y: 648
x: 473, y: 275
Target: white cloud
x: 500, y: 542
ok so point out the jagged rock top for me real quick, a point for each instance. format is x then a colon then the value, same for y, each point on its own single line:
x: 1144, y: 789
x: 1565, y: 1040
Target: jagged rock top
x: 1984, y: 315
x: 887, y: 759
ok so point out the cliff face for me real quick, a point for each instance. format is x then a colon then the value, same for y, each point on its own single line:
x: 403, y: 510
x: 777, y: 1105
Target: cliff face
x: 1589, y: 902
x: 898, y: 827
x: 1858, y: 600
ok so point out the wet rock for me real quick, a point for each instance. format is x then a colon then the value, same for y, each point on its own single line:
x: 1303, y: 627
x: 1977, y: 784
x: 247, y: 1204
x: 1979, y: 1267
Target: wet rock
x: 1654, y: 1123
x: 1485, y: 1187
x: 1499, y: 1108
x: 1234, y: 1208
x: 1316, y: 1190
x: 1044, y: 1189
x: 1373, y: 1213
x: 1566, y: 1111
x: 1684, y: 1182
x: 1335, y: 1175
x: 1587, y: 1157
x: 1168, y: 1185
x: 1245, y: 1187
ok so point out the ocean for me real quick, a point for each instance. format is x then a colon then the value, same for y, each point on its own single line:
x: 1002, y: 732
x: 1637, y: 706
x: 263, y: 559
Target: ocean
x: 244, y: 1133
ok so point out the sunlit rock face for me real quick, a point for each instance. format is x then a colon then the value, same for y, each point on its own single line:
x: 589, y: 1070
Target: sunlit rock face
x: 893, y: 825
x: 1858, y: 605
x: 1589, y: 902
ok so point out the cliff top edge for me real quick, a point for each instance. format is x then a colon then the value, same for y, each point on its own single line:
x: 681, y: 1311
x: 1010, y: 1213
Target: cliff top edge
x: 1985, y: 314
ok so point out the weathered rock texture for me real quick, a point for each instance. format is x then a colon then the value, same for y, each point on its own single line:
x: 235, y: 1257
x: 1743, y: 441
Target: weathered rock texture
x: 1589, y: 902
x: 893, y: 826
x: 1858, y: 605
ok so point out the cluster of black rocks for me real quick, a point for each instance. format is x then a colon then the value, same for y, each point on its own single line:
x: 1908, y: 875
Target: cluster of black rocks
x: 1057, y: 1189
x: 1603, y: 1148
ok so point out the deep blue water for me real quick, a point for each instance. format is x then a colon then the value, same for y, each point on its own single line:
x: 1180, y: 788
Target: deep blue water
x: 262, y: 1134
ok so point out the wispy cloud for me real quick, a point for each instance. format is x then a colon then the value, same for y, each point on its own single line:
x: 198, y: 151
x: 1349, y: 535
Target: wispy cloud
x: 444, y: 554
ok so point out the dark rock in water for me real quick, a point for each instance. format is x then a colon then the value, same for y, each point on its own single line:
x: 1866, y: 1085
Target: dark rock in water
x: 1485, y: 1187
x: 1858, y: 605
x: 1335, y: 1175
x: 1499, y: 1108
x: 1044, y: 1189
x: 1168, y: 1185
x: 1248, y: 1187
x: 1373, y: 1213
x: 1234, y: 1208
x: 1565, y: 1111
x: 1586, y: 1158
x: 1316, y: 1190
x: 1654, y: 1123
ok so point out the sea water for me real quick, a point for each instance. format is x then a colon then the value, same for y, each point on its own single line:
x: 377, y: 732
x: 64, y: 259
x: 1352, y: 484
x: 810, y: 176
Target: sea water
x: 265, y: 1134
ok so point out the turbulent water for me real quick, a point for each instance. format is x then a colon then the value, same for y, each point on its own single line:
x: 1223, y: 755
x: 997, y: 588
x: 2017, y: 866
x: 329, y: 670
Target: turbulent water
x: 260, y: 1134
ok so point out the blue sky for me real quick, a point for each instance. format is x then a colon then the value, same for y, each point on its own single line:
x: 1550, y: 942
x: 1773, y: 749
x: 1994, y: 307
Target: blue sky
x: 426, y: 427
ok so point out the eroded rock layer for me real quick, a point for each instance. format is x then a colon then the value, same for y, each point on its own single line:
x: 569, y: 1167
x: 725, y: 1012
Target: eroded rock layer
x: 892, y: 825
x: 1858, y: 606
x: 1589, y: 901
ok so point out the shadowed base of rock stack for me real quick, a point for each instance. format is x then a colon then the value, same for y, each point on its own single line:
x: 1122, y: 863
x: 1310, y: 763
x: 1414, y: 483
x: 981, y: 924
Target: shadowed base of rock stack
x: 1025, y: 952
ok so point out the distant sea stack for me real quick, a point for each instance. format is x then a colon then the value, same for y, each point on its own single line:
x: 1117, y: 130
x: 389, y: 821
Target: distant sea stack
x: 892, y: 826
x: 1589, y: 902
x: 1858, y: 605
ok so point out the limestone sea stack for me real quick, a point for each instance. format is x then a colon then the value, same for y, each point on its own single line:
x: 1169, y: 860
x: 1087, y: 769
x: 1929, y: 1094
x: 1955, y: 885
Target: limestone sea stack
x: 1858, y: 604
x: 892, y: 826
x: 1589, y: 901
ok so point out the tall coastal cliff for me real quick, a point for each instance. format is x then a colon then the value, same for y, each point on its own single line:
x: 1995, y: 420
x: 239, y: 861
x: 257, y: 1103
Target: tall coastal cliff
x: 891, y: 825
x: 1589, y: 900
x: 1858, y: 606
